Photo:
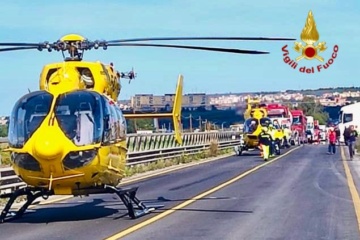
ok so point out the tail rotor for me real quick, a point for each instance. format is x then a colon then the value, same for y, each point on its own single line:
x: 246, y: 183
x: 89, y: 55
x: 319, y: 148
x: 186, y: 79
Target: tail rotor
x: 129, y: 75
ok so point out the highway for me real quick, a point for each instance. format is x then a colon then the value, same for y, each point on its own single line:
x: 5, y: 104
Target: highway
x: 302, y: 195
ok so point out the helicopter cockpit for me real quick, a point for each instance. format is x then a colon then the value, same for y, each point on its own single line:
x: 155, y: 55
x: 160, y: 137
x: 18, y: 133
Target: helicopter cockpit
x: 251, y: 125
x: 85, y: 117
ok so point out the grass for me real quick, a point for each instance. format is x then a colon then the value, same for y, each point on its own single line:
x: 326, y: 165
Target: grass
x: 5, y: 156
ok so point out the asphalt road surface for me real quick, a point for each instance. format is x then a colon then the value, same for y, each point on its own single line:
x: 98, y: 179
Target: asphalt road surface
x: 303, y: 195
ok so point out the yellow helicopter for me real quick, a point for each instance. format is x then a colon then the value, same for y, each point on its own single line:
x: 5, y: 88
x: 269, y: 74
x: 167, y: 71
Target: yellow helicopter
x: 69, y: 137
x: 255, y: 117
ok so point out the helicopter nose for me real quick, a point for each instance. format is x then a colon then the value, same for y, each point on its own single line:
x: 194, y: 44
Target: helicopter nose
x: 47, y: 145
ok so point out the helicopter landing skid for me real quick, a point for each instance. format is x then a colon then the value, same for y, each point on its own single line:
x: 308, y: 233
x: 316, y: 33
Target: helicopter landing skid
x: 135, y: 207
x: 31, y: 195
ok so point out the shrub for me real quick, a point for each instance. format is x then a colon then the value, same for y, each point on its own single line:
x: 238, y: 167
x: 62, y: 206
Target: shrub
x: 213, y: 149
x: 357, y: 146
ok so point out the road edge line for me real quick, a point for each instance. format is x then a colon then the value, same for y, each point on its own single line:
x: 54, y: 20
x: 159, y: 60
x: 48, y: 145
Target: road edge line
x: 352, y: 187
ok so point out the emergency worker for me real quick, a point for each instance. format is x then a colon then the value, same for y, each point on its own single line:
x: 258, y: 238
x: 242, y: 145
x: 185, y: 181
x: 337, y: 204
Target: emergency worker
x: 271, y: 131
x: 332, y: 141
x: 265, y: 140
x: 351, y: 139
x: 337, y: 131
x: 287, y: 133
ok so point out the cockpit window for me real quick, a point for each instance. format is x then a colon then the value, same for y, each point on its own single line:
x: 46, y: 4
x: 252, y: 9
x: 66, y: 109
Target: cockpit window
x: 80, y: 116
x: 27, y: 115
x: 251, y: 125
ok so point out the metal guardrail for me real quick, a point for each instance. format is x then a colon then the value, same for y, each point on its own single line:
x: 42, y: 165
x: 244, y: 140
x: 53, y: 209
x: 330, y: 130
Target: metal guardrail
x: 9, y: 181
x: 146, y: 148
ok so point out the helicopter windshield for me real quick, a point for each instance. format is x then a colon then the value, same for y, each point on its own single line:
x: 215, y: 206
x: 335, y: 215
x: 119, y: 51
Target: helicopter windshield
x: 27, y: 115
x: 251, y: 125
x: 80, y: 117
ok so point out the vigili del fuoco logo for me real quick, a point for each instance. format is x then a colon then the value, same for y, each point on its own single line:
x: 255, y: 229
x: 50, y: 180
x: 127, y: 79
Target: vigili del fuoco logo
x: 309, y: 49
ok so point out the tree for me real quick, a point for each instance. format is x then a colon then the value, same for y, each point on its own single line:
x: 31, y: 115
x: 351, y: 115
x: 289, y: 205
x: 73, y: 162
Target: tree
x: 3, y: 130
x: 313, y: 108
x: 141, y: 124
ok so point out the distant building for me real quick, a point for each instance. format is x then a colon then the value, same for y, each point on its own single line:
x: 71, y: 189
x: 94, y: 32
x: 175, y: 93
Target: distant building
x: 194, y: 100
x: 231, y: 100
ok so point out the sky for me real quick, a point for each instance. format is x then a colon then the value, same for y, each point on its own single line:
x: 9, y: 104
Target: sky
x: 158, y: 68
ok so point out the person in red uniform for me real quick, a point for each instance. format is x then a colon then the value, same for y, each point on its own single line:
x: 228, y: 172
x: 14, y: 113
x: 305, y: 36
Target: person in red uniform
x: 332, y: 142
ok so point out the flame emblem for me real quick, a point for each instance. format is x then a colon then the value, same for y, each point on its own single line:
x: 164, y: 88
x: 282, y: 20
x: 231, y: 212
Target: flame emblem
x: 310, y: 36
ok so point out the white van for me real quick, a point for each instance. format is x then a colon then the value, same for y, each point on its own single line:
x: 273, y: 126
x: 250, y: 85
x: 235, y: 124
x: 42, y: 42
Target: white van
x: 349, y: 115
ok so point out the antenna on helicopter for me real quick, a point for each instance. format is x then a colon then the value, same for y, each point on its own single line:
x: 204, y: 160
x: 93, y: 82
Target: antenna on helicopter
x: 129, y: 75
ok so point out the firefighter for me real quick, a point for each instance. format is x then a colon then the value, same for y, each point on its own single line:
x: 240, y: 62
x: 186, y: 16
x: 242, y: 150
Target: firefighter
x: 265, y: 140
x: 271, y: 131
x: 287, y: 133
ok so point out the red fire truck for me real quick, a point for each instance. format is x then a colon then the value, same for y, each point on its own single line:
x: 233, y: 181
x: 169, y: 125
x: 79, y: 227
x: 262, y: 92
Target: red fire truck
x: 276, y: 110
x: 298, y: 127
x: 281, y: 114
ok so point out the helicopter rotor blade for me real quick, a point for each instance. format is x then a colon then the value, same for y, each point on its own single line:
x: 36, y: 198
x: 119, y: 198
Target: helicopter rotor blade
x: 239, y: 51
x: 16, y: 48
x: 203, y: 38
x: 19, y: 44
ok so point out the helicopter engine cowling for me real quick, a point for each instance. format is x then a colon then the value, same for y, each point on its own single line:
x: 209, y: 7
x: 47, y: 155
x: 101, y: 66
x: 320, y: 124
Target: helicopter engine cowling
x: 63, y: 80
